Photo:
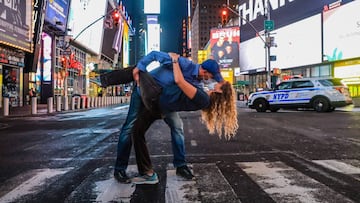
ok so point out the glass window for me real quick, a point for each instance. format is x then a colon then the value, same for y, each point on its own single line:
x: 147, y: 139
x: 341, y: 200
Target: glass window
x: 302, y: 84
x: 284, y: 85
x: 324, y: 70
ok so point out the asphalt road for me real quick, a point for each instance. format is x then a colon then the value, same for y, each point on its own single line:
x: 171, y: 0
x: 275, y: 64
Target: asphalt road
x: 288, y: 156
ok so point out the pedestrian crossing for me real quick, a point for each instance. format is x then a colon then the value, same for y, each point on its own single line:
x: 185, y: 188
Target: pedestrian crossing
x: 277, y: 179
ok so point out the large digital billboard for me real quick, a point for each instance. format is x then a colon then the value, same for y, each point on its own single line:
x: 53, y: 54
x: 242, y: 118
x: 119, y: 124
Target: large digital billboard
x: 153, y: 33
x: 224, y: 43
x: 152, y: 6
x: 295, y: 45
x: 282, y: 12
x: 342, y: 32
x: 57, y: 12
x: 15, y: 24
x: 80, y: 18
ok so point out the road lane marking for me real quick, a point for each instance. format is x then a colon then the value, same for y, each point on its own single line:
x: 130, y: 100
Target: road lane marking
x: 285, y: 184
x: 31, y: 185
x: 193, y: 143
x: 178, y: 189
x: 111, y: 190
x: 349, y: 166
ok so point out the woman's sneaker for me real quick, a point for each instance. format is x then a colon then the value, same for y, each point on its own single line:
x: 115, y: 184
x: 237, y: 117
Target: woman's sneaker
x: 146, y: 179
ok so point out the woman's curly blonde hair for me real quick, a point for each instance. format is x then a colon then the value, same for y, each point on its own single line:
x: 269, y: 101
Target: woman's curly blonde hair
x: 221, y: 115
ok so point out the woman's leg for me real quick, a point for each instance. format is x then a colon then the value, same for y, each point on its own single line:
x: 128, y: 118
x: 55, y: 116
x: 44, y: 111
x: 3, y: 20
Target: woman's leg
x: 142, y: 124
x: 117, y: 77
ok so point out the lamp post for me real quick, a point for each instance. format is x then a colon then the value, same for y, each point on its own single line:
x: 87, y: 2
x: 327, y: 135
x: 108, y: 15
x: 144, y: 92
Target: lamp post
x: 267, y: 41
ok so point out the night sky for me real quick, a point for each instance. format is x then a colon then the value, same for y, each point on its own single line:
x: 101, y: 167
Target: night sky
x: 172, y: 14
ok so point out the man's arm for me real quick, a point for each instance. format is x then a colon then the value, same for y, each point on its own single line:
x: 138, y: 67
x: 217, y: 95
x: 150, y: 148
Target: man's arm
x: 161, y: 57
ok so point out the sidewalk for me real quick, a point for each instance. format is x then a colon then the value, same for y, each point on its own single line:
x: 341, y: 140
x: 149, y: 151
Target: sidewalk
x: 25, y: 111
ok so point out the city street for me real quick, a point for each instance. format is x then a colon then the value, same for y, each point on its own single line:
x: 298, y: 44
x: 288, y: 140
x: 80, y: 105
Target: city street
x: 288, y: 156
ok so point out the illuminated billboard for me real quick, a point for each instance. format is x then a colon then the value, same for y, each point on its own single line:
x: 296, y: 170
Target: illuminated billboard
x: 57, y: 12
x: 152, y: 6
x: 153, y: 34
x: 224, y: 43
x: 15, y: 24
x: 342, y: 32
x: 80, y: 18
x: 296, y: 45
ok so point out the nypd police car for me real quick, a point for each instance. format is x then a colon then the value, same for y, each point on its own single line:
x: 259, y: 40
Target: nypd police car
x: 321, y: 94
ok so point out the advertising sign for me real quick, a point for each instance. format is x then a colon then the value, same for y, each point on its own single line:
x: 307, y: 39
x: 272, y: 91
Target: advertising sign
x: 342, y: 32
x: 57, y: 12
x: 224, y: 43
x: 15, y: 23
x: 281, y: 12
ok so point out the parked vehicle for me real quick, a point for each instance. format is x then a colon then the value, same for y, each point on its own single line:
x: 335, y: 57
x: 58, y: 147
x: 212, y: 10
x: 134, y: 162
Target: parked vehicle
x: 321, y: 94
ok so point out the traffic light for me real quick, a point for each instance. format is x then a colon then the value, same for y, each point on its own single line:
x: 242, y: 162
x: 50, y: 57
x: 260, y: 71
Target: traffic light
x: 116, y: 17
x: 224, y: 16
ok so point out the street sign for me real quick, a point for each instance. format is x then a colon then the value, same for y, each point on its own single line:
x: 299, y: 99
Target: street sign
x: 269, y: 25
x: 273, y: 58
x: 66, y: 53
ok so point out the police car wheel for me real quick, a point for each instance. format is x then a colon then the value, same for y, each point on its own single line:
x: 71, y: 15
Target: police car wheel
x: 321, y: 104
x: 260, y: 105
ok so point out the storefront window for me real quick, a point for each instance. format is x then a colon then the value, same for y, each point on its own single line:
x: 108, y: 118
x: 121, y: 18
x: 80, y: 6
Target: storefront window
x: 11, y: 85
x: 324, y: 71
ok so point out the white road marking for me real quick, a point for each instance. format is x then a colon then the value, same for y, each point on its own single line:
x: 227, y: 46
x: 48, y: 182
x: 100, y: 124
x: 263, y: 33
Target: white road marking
x: 32, y: 185
x: 112, y: 191
x: 285, y: 184
x: 193, y: 143
x: 178, y: 189
x: 89, y: 130
x: 349, y: 167
x: 121, y: 107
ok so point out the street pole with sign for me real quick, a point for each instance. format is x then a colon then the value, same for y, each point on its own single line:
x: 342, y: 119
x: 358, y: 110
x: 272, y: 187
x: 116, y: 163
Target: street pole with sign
x: 268, y: 26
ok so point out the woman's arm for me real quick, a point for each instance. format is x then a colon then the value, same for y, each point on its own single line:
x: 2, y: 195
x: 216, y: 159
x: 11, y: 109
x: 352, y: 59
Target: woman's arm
x: 188, y: 89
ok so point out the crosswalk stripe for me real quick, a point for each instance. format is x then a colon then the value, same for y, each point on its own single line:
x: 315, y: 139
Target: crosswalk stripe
x: 110, y: 190
x: 349, y: 167
x: 285, y: 184
x: 30, y: 186
x: 279, y: 181
x: 178, y: 190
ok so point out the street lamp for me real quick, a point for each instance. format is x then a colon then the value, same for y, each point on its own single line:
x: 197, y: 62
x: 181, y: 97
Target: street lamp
x: 267, y: 41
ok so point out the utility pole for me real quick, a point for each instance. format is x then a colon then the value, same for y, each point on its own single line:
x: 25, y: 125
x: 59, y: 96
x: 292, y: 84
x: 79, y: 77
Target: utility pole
x: 268, y: 45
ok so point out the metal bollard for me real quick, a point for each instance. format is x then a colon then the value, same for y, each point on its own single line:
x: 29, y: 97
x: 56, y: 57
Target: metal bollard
x: 73, y: 103
x: 83, y: 102
x: 50, y: 105
x: 88, y: 102
x: 33, y: 105
x: 6, y: 106
x: 78, y: 104
x: 66, y: 103
x: 58, y: 103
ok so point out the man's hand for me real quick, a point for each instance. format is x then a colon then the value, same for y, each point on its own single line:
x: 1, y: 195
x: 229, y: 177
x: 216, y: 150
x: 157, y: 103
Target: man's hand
x: 136, y: 75
x: 174, y: 56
